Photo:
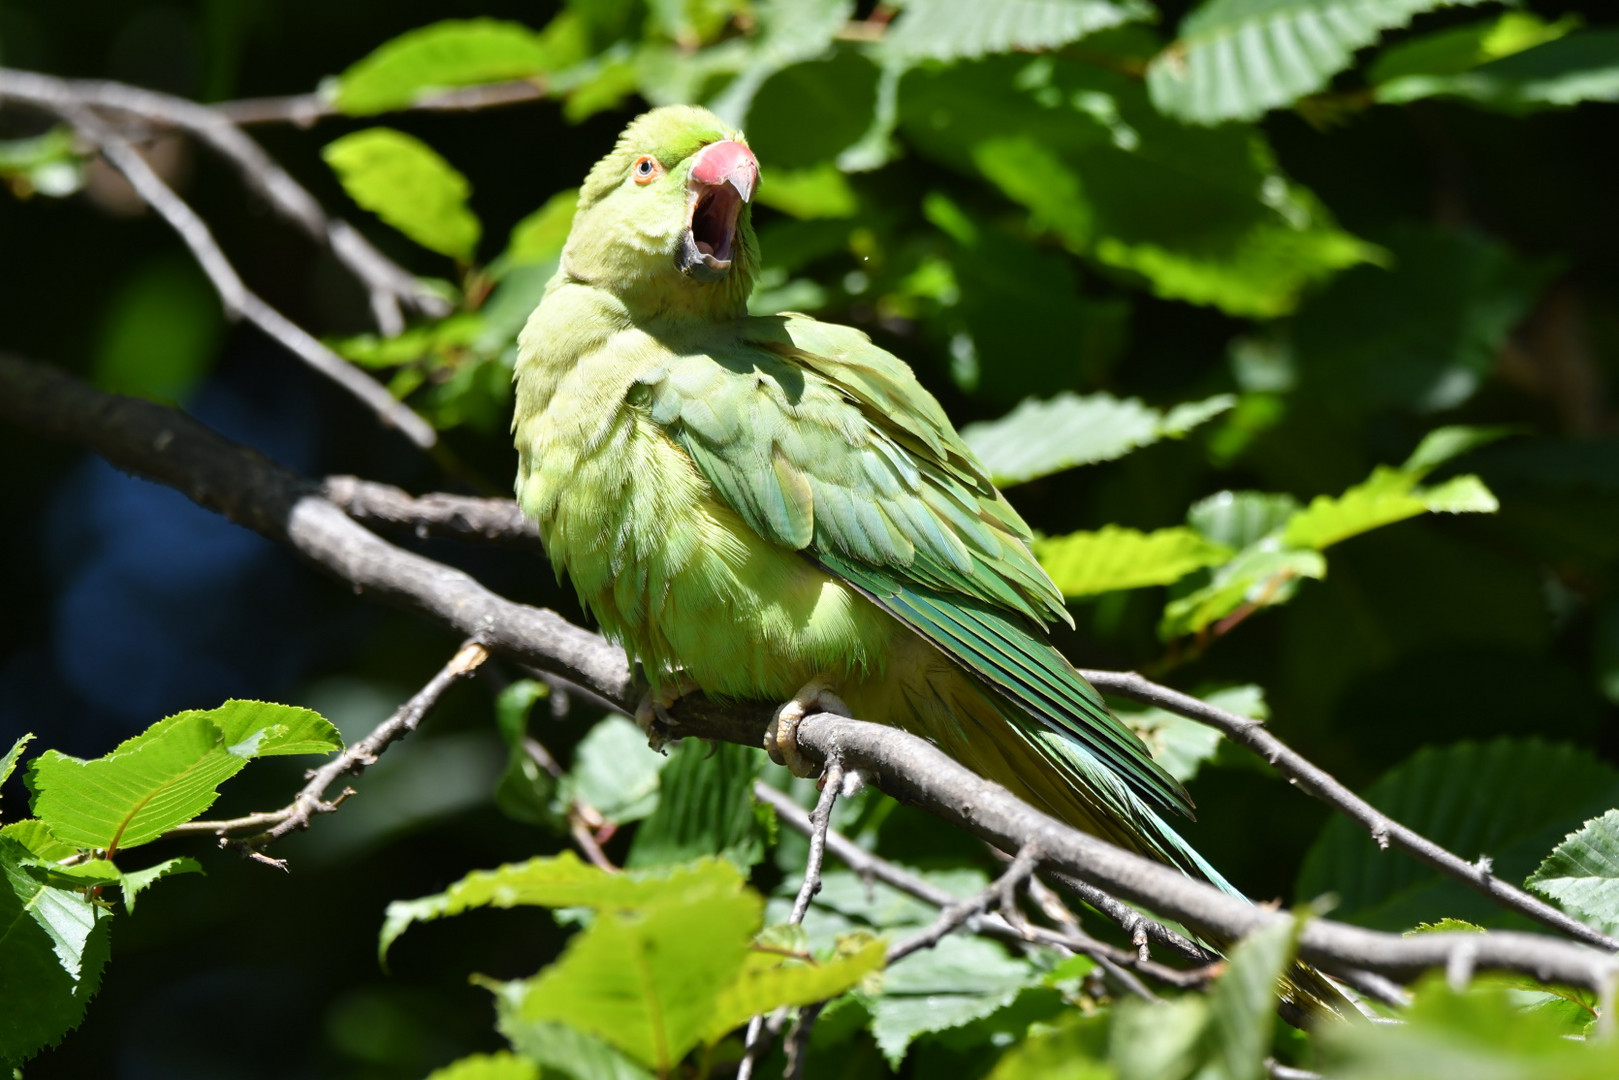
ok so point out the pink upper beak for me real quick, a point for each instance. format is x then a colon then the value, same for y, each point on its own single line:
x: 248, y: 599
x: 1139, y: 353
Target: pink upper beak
x: 727, y: 162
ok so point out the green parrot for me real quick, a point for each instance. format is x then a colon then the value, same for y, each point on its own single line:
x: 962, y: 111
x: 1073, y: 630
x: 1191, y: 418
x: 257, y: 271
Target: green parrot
x: 774, y: 508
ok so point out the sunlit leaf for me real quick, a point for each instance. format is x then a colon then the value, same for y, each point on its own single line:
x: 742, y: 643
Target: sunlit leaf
x: 1240, y: 518
x: 1242, y: 1005
x: 1158, y: 1041
x: 262, y: 728
x: 1388, y: 496
x: 538, y: 238
x: 1087, y: 563
x: 408, y: 185
x: 1509, y: 800
x: 1582, y: 873
x: 12, y: 756
x: 1235, y: 59
x: 50, y: 164
x: 1182, y: 746
x: 1259, y: 575
x: 558, y: 1047
x: 1406, y: 70
x: 768, y: 982
x: 455, y: 52
x: 1072, y: 1048
x: 559, y: 881
x: 53, y: 945
x: 821, y: 191
x: 1039, y: 438
x: 958, y: 29
x: 960, y: 980
x: 132, y: 882
x: 1562, y: 71
x: 503, y: 1065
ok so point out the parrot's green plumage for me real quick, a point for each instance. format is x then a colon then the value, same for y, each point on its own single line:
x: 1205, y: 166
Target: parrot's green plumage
x: 756, y: 503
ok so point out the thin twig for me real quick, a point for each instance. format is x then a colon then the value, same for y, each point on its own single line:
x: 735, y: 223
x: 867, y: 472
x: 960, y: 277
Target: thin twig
x: 305, y: 109
x: 238, y: 300
x: 359, y: 756
x: 1316, y: 781
x: 163, y: 444
x: 959, y: 913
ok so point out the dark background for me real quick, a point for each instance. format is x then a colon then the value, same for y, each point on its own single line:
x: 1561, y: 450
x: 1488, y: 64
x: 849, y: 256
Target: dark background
x: 121, y: 602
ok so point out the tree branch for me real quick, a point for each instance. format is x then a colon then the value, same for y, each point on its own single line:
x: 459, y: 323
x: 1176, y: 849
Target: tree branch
x: 161, y: 443
x: 239, y: 301
x: 304, y: 110
x: 387, y: 283
x: 354, y: 760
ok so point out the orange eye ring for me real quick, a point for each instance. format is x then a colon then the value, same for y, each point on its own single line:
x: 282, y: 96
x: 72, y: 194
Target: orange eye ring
x: 646, y: 169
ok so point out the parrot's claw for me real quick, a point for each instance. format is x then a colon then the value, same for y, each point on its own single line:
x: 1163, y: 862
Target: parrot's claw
x: 781, y: 737
x: 652, y: 714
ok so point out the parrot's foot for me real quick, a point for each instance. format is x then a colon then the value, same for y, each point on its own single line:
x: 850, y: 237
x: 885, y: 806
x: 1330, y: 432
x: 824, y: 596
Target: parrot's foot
x: 652, y: 715
x: 781, y: 737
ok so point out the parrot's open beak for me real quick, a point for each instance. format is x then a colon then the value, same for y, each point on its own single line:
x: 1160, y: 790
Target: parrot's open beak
x: 723, y: 177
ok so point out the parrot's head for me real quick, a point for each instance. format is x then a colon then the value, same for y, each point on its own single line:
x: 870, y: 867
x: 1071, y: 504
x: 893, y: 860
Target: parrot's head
x: 663, y: 220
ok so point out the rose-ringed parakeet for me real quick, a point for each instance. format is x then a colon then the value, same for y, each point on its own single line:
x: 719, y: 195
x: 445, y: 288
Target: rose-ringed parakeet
x: 774, y: 508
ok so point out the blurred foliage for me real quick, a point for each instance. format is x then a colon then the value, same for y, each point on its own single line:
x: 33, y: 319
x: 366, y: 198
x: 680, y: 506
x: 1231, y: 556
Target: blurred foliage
x: 1292, y: 321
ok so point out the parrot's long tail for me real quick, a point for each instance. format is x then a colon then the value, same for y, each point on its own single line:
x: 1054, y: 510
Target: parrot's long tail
x: 1059, y: 776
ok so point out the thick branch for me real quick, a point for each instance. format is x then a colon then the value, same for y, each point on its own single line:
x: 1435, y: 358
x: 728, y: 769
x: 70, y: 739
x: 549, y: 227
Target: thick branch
x: 160, y: 443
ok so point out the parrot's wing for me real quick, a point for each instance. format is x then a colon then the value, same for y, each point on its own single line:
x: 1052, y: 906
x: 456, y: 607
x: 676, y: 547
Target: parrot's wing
x: 826, y: 444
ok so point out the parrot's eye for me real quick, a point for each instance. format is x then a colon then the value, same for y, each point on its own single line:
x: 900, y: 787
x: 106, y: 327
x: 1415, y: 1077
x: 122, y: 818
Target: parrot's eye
x: 646, y: 169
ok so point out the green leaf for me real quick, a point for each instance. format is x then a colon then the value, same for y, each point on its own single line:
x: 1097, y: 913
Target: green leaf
x: 1262, y: 574
x: 959, y: 980
x: 499, y: 1066
x: 821, y: 191
x: 1582, y: 873
x: 1404, y: 71
x: 36, y: 836
x: 9, y: 762
x: 132, y: 882
x: 1159, y: 1041
x: 1242, y: 1005
x: 1039, y: 438
x: 455, y: 52
x: 790, y: 31
x: 1420, y: 335
x: 50, y: 164
x: 558, y: 881
x: 1389, y: 495
x: 255, y: 729
x: 1072, y: 1048
x: 1181, y: 745
x: 1238, y: 519
x: 705, y: 807
x: 161, y: 333
x: 1442, y: 444
x: 409, y: 186
x: 1236, y: 59
x: 526, y: 791
x: 804, y: 114
x: 1479, y: 1032
x: 538, y: 239
x: 963, y: 29
x: 53, y: 945
x: 614, y: 771
x: 768, y: 982
x: 148, y: 785
x: 1562, y: 71
x: 1508, y: 799
x: 648, y: 981
x: 558, y: 1048
x: 1087, y: 563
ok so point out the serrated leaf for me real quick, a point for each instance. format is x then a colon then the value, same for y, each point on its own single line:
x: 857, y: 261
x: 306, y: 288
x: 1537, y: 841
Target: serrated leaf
x: 448, y: 54
x: 53, y: 945
x: 1561, y: 72
x: 1403, y: 71
x: 1447, y: 926
x: 1181, y: 745
x: 148, y: 785
x: 1240, y: 518
x: 1236, y: 59
x: 768, y: 982
x: 1261, y: 574
x: 9, y: 762
x: 262, y: 728
x: 705, y: 807
x: 36, y: 836
x: 1072, y: 1048
x: 503, y: 1065
x: 1442, y: 444
x: 409, y: 186
x: 1387, y: 496
x: 1509, y: 799
x: 1582, y: 873
x: 647, y: 981
x: 959, y: 980
x: 1039, y: 438
x: 614, y: 771
x: 132, y: 882
x: 1088, y: 563
x: 963, y: 29
x: 1479, y: 1032
x: 1242, y: 1005
x: 557, y: 1047
x: 559, y: 881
